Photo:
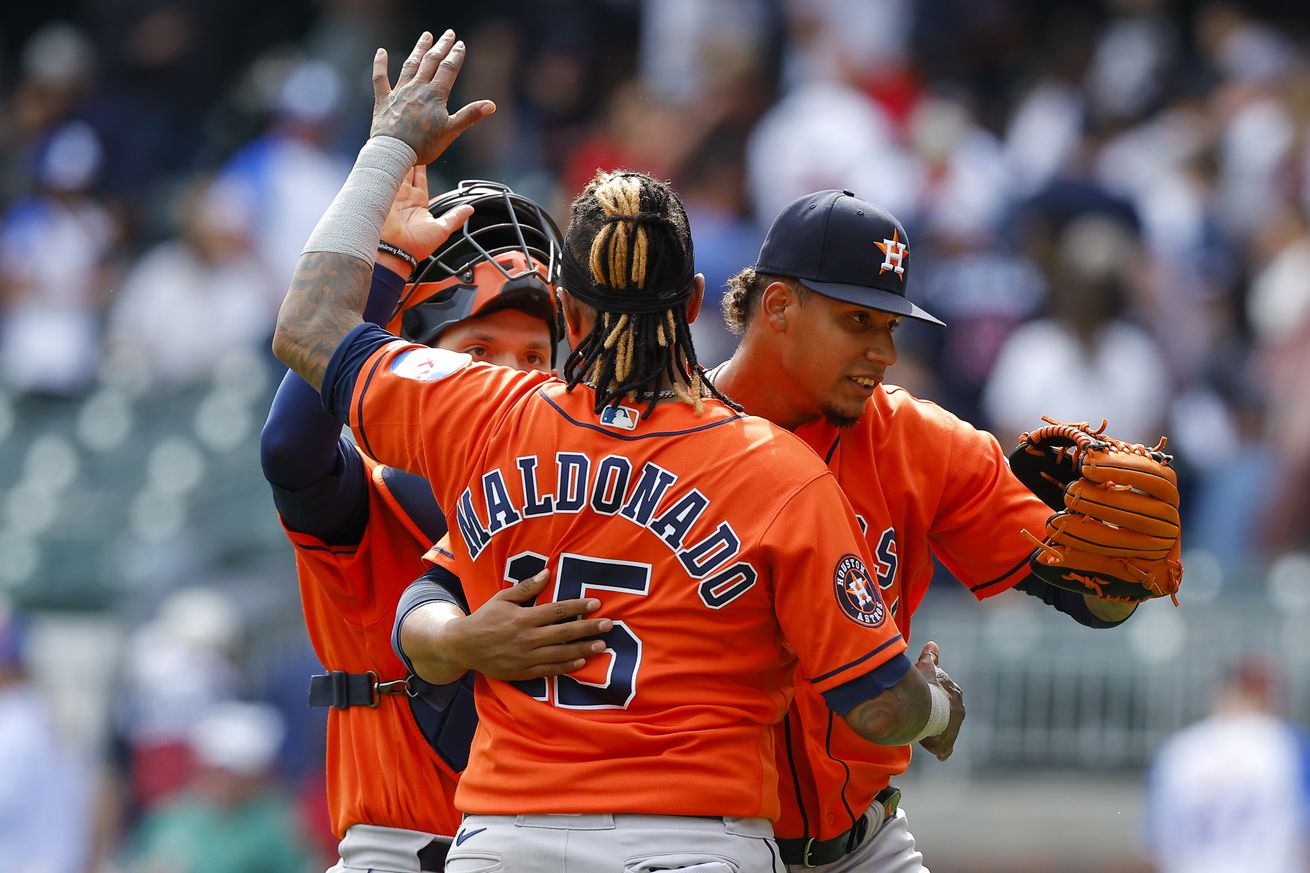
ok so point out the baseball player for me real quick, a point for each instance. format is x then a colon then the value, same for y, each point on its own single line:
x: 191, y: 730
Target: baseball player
x: 708, y: 578
x: 1232, y: 790
x: 816, y: 316
x: 359, y: 527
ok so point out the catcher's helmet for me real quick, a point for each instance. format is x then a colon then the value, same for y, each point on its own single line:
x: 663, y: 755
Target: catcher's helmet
x: 505, y: 257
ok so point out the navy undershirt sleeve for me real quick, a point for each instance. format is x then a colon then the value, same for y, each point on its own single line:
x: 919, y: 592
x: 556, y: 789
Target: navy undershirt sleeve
x: 317, y: 477
x: 1071, y: 603
x: 335, y: 508
x: 383, y: 295
x: 436, y: 585
x: 343, y: 369
x: 298, y: 445
x: 849, y: 695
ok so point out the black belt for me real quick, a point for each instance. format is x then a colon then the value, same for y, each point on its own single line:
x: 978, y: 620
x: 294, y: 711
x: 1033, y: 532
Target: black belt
x: 343, y: 690
x: 809, y: 852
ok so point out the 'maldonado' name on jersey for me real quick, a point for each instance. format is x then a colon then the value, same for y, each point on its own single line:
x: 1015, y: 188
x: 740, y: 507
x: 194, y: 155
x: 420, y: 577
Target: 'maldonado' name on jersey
x: 610, y: 485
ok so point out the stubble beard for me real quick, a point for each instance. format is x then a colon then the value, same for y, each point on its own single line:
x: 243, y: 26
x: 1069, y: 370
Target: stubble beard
x: 840, y: 420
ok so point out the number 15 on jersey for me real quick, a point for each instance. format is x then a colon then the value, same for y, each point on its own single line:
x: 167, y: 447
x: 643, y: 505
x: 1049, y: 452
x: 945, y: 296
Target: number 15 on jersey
x: 576, y: 576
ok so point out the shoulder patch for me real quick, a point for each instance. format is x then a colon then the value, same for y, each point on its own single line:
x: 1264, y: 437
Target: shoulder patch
x: 428, y: 365
x: 857, y: 594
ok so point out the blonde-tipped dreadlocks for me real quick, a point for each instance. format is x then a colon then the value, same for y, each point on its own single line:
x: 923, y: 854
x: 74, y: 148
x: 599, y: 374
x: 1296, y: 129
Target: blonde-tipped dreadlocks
x: 631, y: 233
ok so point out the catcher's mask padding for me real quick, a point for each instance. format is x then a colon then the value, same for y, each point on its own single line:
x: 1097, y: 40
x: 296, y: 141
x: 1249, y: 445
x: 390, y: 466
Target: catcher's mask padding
x: 434, y: 307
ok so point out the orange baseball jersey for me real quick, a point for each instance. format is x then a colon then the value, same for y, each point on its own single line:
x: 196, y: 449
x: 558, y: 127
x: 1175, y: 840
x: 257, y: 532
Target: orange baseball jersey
x: 922, y: 483
x: 381, y: 769
x: 719, y: 545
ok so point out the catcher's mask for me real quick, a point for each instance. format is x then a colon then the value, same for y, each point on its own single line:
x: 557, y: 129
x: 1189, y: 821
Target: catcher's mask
x: 505, y: 257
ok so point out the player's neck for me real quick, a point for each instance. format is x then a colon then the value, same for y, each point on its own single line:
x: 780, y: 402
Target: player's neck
x: 753, y: 378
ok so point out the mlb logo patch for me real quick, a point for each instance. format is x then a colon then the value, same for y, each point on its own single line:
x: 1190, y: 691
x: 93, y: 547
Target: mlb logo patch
x: 428, y: 365
x: 619, y: 416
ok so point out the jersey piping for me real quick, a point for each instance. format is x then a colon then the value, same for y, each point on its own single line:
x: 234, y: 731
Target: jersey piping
x: 359, y: 412
x: 827, y: 459
x: 1023, y: 562
x: 618, y: 436
x: 860, y: 660
x: 827, y: 748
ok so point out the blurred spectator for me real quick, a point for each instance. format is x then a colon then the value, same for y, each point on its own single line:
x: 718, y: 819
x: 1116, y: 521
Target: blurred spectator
x: 688, y: 46
x: 343, y: 31
x: 288, y: 175
x: 1083, y: 362
x: 1227, y: 514
x: 637, y: 132
x: 44, y: 799
x: 860, y: 42
x: 725, y: 237
x: 1131, y: 64
x: 827, y: 135
x: 55, y: 249
x: 1043, y: 133
x: 300, y: 769
x: 231, y: 818
x: 1232, y: 792
x: 1168, y: 168
x: 1279, y: 312
x: 1242, y: 48
x: 983, y: 292
x: 56, y: 76
x: 188, y: 301
x: 1045, y: 124
x: 499, y: 151
x: 179, y: 666
x: 963, y: 183
x: 571, y: 59
x: 1257, y: 139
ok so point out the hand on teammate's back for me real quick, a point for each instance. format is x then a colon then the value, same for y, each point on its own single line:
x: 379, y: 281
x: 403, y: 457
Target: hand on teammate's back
x: 509, y: 637
x: 414, y: 112
x: 943, y: 743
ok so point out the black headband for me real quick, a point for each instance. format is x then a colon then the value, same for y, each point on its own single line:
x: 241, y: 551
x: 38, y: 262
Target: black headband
x: 578, y: 281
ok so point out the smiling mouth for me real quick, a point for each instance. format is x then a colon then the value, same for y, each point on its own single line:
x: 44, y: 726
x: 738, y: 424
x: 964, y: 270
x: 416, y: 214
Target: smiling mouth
x: 869, y: 382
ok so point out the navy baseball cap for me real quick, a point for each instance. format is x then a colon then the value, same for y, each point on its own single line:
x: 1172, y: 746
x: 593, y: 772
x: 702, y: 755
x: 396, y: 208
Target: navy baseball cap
x: 845, y: 248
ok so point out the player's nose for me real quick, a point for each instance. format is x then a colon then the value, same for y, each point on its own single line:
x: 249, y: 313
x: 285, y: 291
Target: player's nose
x: 882, y: 351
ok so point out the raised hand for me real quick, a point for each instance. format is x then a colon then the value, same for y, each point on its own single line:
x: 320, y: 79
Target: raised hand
x: 414, y: 112
x: 411, y: 226
x: 944, y: 743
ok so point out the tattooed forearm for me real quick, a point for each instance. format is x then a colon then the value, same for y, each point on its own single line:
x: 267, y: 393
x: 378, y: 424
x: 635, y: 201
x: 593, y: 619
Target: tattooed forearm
x: 323, y: 304
x: 896, y: 716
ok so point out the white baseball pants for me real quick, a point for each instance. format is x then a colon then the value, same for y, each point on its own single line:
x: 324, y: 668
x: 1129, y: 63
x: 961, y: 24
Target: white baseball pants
x: 597, y: 843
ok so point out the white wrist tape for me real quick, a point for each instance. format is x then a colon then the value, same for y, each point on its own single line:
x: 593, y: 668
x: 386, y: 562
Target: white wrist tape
x: 353, y: 223
x: 938, y: 717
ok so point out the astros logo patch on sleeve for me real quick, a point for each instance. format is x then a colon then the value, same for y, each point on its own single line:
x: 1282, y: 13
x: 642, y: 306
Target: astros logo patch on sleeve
x: 428, y: 365
x: 857, y: 593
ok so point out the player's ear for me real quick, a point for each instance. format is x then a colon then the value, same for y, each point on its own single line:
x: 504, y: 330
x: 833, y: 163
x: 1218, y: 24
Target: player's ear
x: 778, y: 303
x: 577, y: 318
x: 697, y: 297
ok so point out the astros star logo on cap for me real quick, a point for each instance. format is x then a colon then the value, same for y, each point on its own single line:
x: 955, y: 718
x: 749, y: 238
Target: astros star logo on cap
x: 894, y: 252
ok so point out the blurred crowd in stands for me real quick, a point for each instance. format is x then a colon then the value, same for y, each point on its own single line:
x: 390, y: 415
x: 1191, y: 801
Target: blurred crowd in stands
x: 1106, y: 201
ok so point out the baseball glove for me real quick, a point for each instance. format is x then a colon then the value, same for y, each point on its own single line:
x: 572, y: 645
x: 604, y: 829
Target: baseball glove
x: 1115, y: 532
